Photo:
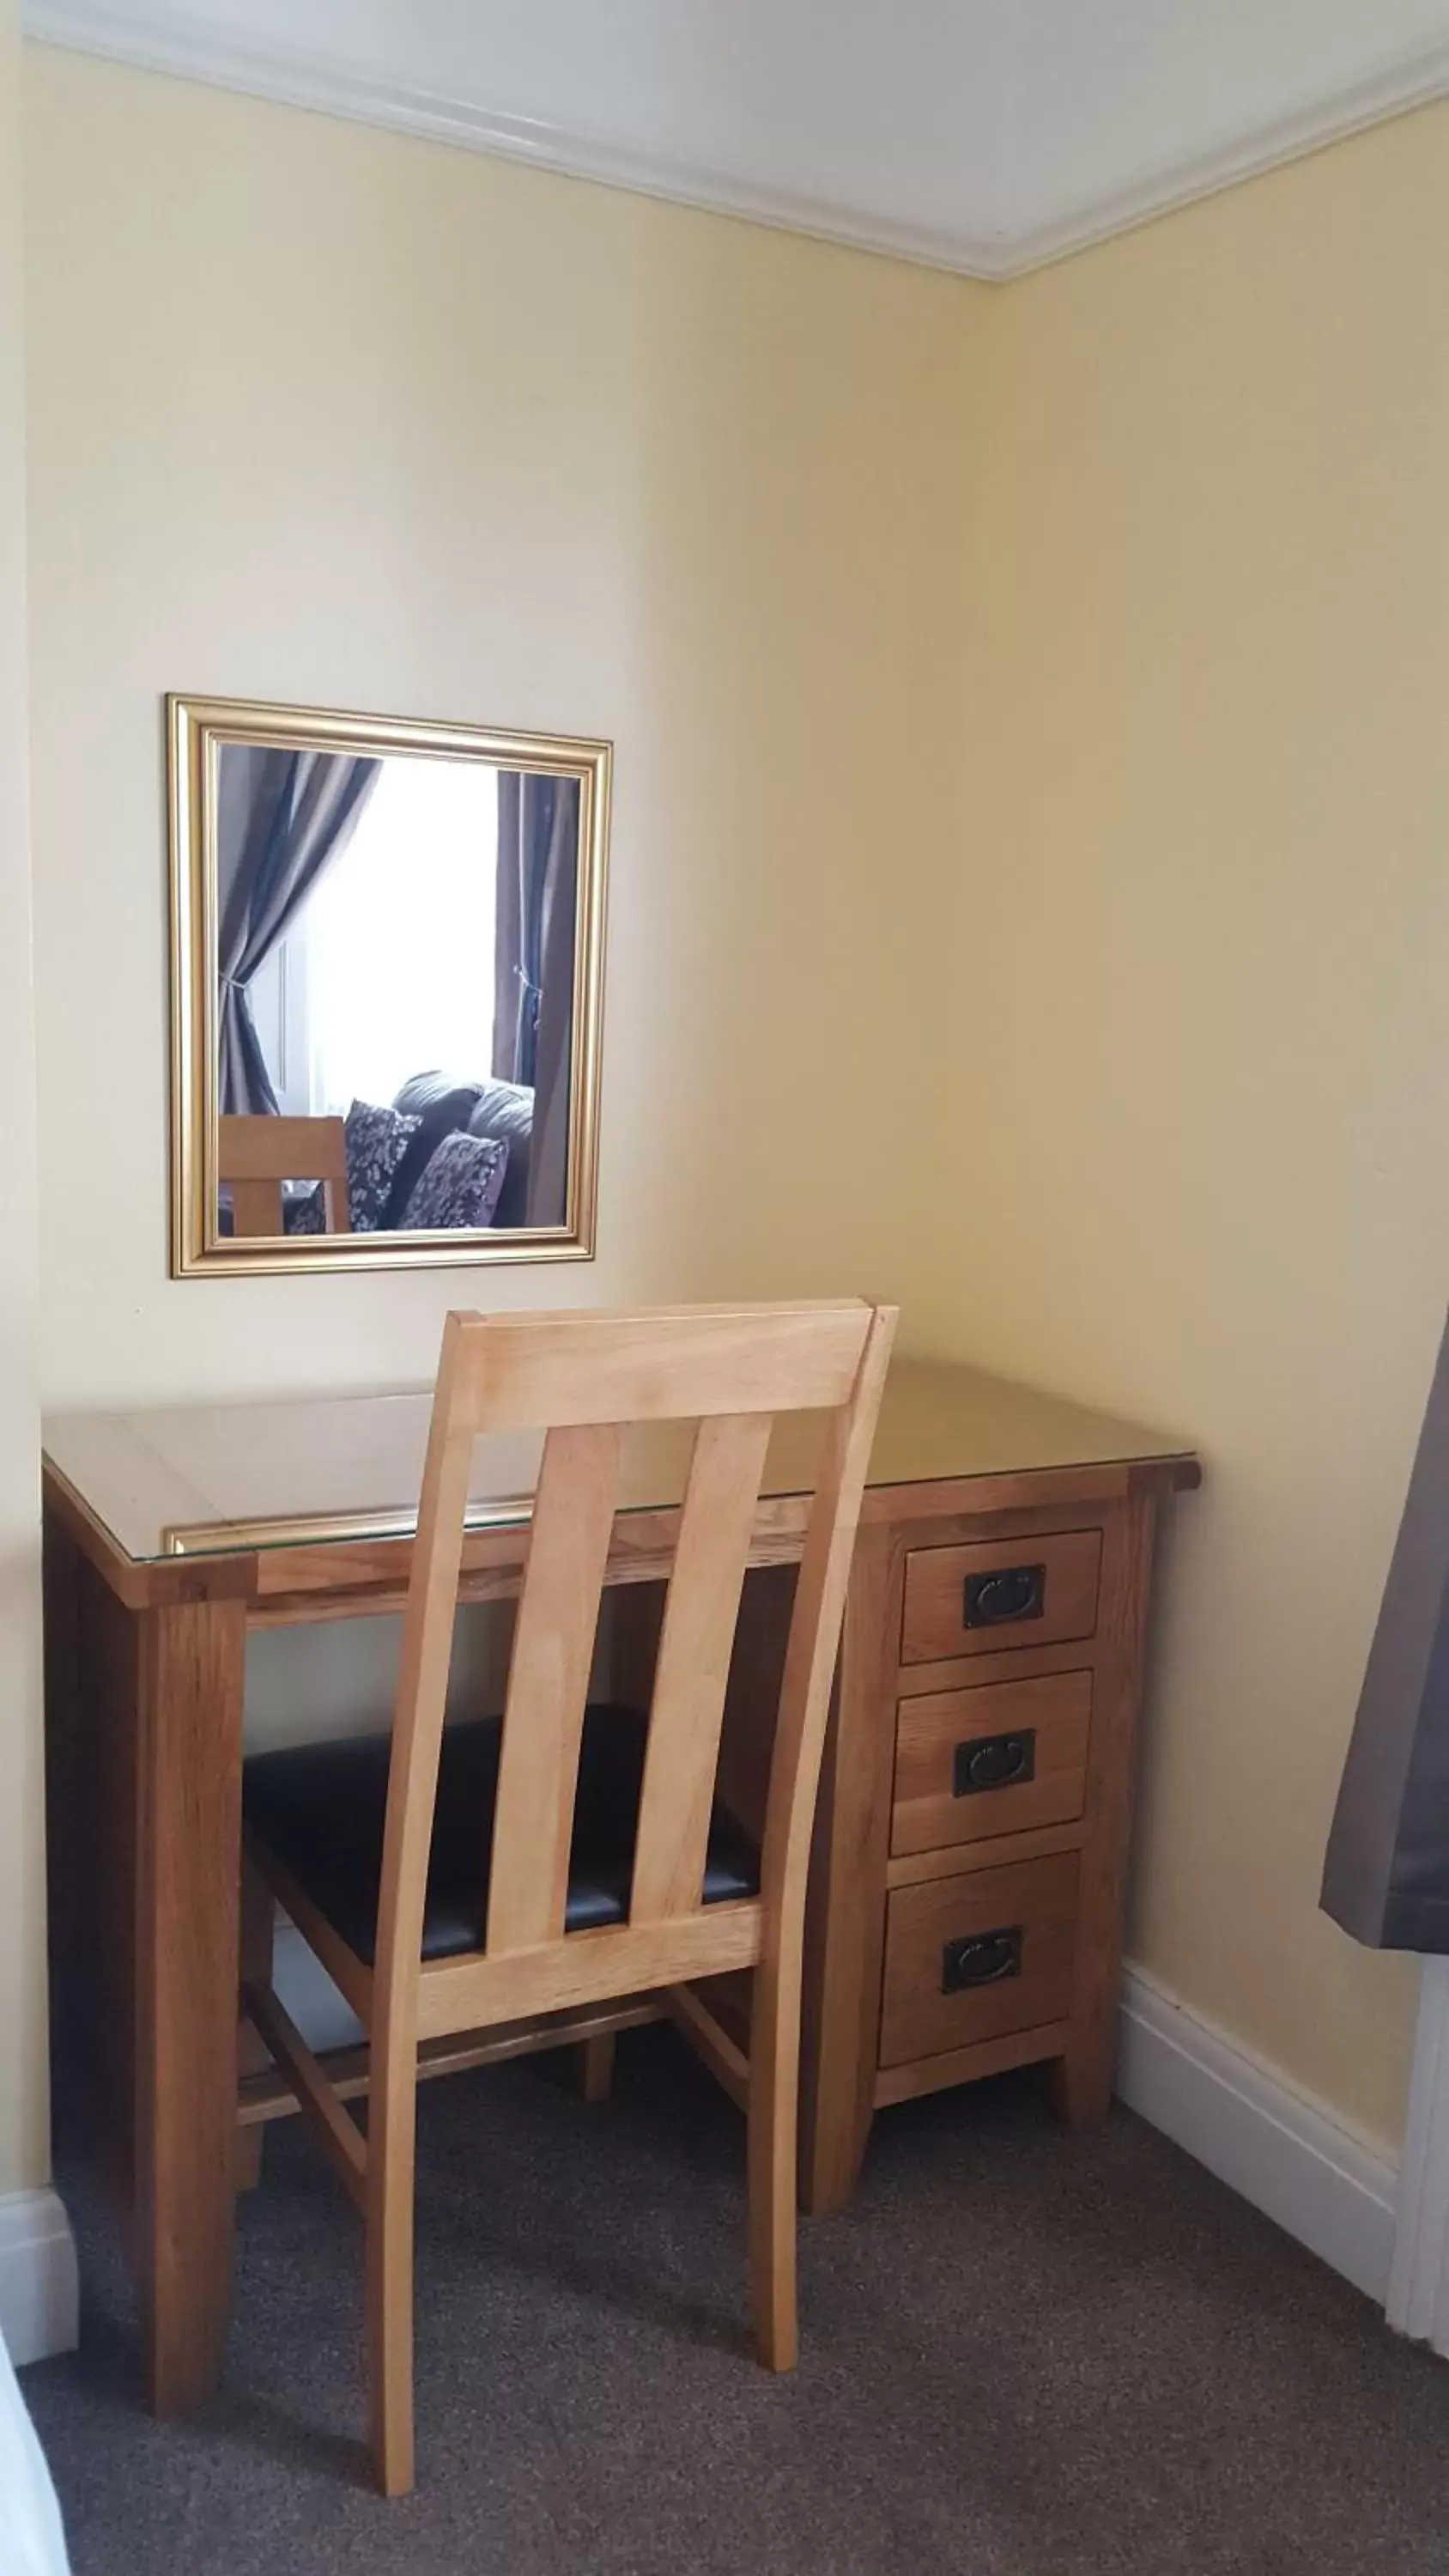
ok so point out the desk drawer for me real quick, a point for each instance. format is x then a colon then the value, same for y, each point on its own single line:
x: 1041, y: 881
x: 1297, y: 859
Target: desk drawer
x: 999, y: 1592
x: 970, y: 1958
x: 999, y: 1758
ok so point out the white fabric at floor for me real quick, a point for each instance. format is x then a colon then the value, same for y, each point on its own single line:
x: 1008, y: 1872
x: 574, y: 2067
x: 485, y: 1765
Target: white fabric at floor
x: 32, y: 2542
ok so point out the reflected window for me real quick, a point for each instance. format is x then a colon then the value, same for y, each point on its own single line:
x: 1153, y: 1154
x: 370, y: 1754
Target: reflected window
x: 390, y: 968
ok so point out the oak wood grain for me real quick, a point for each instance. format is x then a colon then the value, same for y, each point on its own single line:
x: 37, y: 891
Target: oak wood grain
x: 911, y: 1869
x: 930, y: 1811
x: 1038, y: 1898
x: 337, y: 2132
x: 187, y: 1973
x: 548, y: 1682
x: 1040, y: 2045
x: 721, y: 2052
x: 934, y: 1615
x: 686, y: 1706
x: 268, y: 2095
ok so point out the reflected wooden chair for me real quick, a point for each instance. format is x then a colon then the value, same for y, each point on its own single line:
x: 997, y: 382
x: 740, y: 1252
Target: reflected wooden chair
x: 256, y: 1155
x: 565, y: 1859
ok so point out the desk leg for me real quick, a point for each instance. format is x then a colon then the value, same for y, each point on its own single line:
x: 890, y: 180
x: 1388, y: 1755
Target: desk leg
x: 1080, y: 2083
x: 192, y: 1663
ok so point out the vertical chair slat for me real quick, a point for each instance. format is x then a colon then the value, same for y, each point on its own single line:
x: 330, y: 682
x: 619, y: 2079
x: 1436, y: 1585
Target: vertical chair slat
x: 256, y: 1208
x: 548, y: 1680
x: 700, y: 1616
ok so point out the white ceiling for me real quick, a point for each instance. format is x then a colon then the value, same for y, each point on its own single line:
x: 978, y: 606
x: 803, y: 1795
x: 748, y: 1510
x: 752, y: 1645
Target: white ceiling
x: 983, y: 135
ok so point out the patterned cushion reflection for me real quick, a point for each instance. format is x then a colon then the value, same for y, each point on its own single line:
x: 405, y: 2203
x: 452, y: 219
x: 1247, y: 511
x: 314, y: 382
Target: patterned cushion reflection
x: 461, y: 1184
x: 304, y: 1213
x: 376, y: 1142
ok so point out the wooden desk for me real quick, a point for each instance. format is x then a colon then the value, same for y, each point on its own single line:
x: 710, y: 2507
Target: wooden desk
x: 966, y: 1894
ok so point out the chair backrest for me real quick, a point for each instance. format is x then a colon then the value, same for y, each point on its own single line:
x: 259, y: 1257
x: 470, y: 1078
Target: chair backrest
x: 255, y: 1156
x: 584, y: 1379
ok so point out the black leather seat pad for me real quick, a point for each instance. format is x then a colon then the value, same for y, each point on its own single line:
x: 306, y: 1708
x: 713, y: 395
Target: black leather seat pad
x: 321, y: 1809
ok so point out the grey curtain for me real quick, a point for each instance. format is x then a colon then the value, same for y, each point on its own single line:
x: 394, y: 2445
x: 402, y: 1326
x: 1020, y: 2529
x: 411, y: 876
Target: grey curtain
x: 282, y: 816
x: 1386, y: 1877
x: 538, y: 870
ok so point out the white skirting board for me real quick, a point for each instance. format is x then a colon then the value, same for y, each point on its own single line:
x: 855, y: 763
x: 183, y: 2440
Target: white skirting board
x: 38, y: 2296
x: 1280, y: 2150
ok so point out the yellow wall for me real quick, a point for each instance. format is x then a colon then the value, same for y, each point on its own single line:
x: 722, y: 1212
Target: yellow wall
x: 23, y: 2142
x: 1198, y: 964
x: 329, y: 415
x: 1029, y: 865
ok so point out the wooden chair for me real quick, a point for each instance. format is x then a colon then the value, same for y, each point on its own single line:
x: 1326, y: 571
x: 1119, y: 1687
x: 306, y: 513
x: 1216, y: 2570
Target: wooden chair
x: 255, y: 1156
x: 502, y: 1899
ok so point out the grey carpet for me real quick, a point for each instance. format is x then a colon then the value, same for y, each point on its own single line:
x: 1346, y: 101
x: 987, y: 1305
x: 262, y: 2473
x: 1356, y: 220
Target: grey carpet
x: 1024, y: 2355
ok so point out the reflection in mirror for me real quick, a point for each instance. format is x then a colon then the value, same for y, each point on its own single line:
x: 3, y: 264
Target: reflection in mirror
x: 403, y: 943
x: 397, y: 954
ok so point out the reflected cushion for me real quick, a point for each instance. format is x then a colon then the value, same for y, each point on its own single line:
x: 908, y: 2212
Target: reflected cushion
x: 376, y: 1142
x: 461, y: 1184
x: 321, y: 1808
x: 485, y: 1108
x: 439, y: 1106
x: 303, y: 1211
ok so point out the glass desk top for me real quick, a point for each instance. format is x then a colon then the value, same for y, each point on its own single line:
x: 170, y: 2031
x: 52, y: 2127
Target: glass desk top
x: 210, y: 1480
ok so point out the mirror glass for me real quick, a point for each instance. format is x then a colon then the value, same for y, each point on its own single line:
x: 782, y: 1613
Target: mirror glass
x: 391, y: 950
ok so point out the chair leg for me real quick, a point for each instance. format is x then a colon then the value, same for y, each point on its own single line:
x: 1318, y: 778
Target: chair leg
x: 596, y: 2066
x: 391, y: 2157
x: 772, y: 2117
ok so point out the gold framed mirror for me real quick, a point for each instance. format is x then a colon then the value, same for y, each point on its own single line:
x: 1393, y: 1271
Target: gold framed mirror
x: 387, y: 942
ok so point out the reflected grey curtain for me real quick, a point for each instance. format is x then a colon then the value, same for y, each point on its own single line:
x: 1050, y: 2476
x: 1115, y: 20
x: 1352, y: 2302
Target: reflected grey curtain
x: 1386, y: 1878
x: 282, y: 816
x: 538, y: 868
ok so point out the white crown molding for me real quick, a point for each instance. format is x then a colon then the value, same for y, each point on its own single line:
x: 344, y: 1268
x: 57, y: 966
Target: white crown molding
x: 161, y: 40
x: 1406, y: 81
x: 154, y: 41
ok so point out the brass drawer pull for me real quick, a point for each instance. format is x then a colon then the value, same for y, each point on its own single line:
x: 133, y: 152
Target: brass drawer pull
x: 981, y: 1959
x: 985, y: 1762
x: 1012, y: 1592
